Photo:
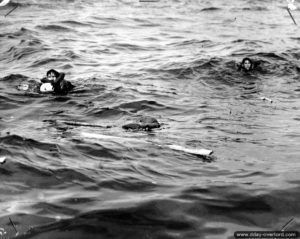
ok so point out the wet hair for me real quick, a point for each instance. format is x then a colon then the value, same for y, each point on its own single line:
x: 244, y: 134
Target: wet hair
x: 241, y: 65
x: 247, y: 59
x: 56, y: 73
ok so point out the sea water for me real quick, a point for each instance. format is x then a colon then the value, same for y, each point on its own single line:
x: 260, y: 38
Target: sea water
x: 172, y: 60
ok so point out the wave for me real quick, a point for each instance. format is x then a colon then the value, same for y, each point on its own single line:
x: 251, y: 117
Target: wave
x: 143, y: 105
x: 210, y: 9
x: 74, y: 23
x: 14, y: 77
x: 22, y: 32
x: 255, y: 8
x: 55, y: 28
x: 126, y: 46
x: 191, y: 213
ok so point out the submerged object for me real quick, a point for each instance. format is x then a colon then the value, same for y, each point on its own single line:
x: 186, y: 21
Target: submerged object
x: 46, y: 87
x: 201, y: 152
x: 145, y: 123
x: 4, y: 2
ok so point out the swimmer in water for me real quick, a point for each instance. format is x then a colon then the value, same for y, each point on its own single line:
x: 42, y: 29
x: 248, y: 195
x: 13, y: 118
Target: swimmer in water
x: 247, y: 65
x: 55, y: 82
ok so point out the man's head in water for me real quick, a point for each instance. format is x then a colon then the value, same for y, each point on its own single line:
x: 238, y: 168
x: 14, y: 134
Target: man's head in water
x: 59, y: 84
x: 52, y: 75
x: 48, y: 84
x: 247, y: 64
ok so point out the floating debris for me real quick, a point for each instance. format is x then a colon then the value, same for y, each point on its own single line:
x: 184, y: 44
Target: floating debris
x: 145, y: 123
x: 291, y: 15
x: 23, y: 87
x: 287, y: 224
x: 291, y: 7
x: 13, y: 226
x: 77, y: 123
x: 4, y: 2
x: 11, y: 11
x: 2, y: 160
x: 2, y: 231
x: 267, y: 99
x: 201, y: 152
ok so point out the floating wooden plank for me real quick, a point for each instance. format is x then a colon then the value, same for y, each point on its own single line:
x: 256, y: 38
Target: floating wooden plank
x: 201, y: 152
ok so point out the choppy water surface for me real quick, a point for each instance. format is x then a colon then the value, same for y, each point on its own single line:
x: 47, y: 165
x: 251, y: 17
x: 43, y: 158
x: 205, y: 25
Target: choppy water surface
x: 174, y: 60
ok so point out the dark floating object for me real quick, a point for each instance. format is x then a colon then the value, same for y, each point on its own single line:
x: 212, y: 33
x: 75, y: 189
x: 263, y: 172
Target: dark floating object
x: 145, y: 123
x: 291, y: 15
x: 13, y: 226
x: 4, y: 3
x: 77, y: 123
x: 11, y: 11
x: 287, y: 224
x: 267, y: 99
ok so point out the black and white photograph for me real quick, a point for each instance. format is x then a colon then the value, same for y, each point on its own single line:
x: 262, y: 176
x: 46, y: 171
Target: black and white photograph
x: 149, y: 119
